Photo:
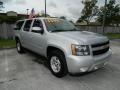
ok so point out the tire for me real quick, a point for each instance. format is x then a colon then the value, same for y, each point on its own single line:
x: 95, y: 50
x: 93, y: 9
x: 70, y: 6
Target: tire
x: 19, y: 47
x: 57, y: 64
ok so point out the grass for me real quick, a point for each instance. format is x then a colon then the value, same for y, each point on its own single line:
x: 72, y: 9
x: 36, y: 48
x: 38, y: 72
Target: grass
x: 7, y: 43
x: 113, y: 35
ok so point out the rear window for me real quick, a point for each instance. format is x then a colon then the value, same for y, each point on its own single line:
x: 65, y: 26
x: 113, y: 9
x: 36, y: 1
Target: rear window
x: 19, y: 25
x: 27, y: 25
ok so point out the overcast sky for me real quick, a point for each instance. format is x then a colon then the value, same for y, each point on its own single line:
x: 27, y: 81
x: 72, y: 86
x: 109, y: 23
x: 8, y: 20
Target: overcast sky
x: 69, y: 8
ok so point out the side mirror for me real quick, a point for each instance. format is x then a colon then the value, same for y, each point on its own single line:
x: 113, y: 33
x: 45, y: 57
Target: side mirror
x: 15, y: 28
x: 37, y: 30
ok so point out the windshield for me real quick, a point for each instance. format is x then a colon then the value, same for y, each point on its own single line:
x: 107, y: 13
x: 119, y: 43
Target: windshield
x: 57, y: 25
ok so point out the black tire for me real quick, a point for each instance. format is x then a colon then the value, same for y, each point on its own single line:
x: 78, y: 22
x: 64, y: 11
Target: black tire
x: 63, y: 66
x: 19, y: 47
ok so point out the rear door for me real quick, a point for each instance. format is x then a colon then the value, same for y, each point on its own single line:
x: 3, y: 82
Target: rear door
x: 25, y: 34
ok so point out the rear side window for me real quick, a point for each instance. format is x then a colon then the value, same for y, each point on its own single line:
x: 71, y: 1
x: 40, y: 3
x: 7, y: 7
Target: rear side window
x: 27, y: 25
x: 19, y: 25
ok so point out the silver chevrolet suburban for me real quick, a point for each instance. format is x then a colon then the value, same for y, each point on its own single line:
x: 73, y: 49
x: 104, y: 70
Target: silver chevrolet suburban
x: 66, y: 48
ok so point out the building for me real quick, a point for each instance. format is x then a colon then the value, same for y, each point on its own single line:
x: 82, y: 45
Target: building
x: 7, y: 21
x: 11, y: 17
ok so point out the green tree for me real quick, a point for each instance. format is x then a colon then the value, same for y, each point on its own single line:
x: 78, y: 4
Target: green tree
x: 112, y: 13
x: 90, y: 9
x: 1, y: 5
x: 42, y: 14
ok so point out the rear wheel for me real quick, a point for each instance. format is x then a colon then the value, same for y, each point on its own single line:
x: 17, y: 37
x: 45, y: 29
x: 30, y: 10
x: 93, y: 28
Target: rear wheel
x: 57, y: 63
x: 19, y: 47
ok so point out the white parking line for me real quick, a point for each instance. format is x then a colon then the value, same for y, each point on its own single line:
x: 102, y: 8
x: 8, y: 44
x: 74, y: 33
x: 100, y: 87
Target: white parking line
x: 6, y: 61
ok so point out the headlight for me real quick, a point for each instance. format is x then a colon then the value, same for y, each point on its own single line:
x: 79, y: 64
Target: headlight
x: 80, y: 50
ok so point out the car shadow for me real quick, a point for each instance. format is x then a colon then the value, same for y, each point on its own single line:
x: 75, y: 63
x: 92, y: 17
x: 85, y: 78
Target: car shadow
x: 38, y: 58
x: 42, y: 60
x: 81, y: 74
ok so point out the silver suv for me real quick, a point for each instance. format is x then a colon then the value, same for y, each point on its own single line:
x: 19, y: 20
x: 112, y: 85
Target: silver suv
x: 66, y: 48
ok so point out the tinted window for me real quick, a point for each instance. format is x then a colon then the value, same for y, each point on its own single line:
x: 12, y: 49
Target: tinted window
x: 27, y: 25
x: 59, y: 25
x: 37, y: 23
x: 19, y: 25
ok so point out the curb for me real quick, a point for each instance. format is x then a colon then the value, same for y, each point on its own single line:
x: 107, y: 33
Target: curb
x: 2, y: 48
x: 113, y: 38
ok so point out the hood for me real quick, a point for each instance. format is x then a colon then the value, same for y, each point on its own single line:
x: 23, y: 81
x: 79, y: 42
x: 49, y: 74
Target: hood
x: 84, y: 37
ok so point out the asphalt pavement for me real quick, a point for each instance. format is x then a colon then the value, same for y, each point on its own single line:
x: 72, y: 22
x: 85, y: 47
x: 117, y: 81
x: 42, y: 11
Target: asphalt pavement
x: 30, y: 72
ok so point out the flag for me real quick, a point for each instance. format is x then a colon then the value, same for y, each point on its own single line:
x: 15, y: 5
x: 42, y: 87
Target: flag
x: 32, y: 14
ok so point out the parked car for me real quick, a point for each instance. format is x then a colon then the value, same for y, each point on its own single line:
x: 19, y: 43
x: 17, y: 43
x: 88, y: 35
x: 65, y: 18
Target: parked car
x: 66, y: 48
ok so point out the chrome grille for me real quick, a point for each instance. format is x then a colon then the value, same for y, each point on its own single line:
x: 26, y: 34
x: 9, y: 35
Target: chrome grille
x: 100, y: 48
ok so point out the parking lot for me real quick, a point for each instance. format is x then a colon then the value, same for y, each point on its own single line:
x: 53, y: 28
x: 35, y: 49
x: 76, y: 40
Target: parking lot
x: 29, y: 72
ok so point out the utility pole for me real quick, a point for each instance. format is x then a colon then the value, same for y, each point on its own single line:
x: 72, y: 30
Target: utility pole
x: 45, y: 8
x: 104, y: 17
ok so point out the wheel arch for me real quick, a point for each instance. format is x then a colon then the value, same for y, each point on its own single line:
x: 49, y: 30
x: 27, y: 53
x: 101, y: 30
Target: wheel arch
x: 63, y: 59
x: 52, y: 48
x: 16, y: 38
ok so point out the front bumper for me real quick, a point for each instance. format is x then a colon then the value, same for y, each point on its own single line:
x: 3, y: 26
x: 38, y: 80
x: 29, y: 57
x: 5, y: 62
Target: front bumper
x: 80, y: 64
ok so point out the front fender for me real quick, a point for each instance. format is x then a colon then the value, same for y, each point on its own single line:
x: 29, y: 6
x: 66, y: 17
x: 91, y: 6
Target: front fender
x: 62, y: 47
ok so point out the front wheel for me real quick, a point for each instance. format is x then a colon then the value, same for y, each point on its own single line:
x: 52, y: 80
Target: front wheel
x: 58, y: 64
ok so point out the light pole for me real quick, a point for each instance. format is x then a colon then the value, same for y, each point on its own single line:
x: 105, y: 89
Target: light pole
x: 27, y: 11
x: 45, y: 8
x: 104, y: 17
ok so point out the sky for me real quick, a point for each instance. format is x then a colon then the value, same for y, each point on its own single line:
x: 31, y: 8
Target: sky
x: 68, y: 8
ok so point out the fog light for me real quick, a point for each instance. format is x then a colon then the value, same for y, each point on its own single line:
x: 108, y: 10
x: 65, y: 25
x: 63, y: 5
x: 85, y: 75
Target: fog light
x: 83, y: 69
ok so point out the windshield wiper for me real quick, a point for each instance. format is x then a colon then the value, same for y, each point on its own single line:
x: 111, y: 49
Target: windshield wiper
x: 57, y: 30
x: 73, y: 30
x: 64, y: 30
